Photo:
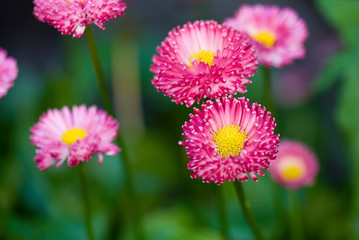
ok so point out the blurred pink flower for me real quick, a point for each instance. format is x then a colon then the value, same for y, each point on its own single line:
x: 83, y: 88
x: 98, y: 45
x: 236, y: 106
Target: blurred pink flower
x: 278, y: 34
x: 229, y: 138
x: 293, y: 85
x: 296, y: 166
x: 72, y: 16
x: 203, y: 60
x: 8, y: 72
x: 74, y: 134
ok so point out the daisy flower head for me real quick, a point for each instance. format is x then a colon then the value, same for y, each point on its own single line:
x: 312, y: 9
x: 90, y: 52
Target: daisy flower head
x: 228, y: 139
x: 74, y: 134
x: 72, y: 16
x: 277, y: 34
x: 296, y: 165
x: 8, y: 72
x: 203, y: 60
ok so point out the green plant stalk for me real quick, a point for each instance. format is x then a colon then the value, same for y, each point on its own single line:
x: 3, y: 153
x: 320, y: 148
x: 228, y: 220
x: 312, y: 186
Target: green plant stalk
x: 221, y: 210
x: 98, y: 70
x: 282, y: 223
x: 86, y: 201
x: 133, y: 201
x: 295, y: 216
x: 248, y: 214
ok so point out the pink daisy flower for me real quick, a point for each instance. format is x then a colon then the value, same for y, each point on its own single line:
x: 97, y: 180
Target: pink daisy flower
x: 278, y: 34
x: 296, y: 166
x: 203, y: 60
x: 74, y: 134
x: 8, y: 72
x: 229, y: 138
x: 72, y: 16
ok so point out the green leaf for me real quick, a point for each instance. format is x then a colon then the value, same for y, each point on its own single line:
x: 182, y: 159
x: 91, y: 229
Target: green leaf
x: 348, y: 109
x: 343, y: 16
x: 331, y: 71
x: 340, y: 13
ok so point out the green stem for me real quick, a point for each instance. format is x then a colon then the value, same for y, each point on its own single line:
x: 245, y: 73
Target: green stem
x: 248, y: 214
x: 282, y: 223
x: 86, y: 201
x: 267, y: 87
x: 221, y: 210
x: 133, y: 201
x: 98, y: 70
x: 295, y: 216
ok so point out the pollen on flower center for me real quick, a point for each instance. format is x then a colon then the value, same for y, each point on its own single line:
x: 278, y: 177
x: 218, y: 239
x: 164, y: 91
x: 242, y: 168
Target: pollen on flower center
x: 229, y: 140
x: 292, y: 173
x: 205, y: 56
x: 71, y: 135
x: 265, y: 38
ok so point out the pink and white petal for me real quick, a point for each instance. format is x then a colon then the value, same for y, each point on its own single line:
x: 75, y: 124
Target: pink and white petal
x: 8, y: 72
x: 82, y: 150
x: 107, y: 148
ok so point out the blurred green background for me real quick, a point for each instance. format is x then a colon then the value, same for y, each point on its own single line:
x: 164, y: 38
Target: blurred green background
x: 317, y: 100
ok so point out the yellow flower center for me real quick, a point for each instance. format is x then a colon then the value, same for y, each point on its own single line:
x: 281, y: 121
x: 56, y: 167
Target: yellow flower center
x: 71, y: 135
x: 265, y: 38
x: 229, y: 140
x: 205, y: 56
x: 292, y: 173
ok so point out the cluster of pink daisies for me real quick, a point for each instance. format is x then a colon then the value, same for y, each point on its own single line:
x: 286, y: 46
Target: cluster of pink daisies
x: 227, y: 138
